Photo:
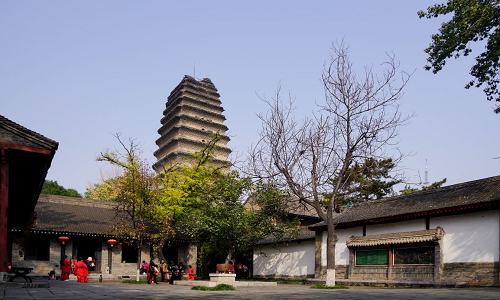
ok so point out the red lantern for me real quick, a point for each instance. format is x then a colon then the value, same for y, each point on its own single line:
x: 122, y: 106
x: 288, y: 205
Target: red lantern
x: 112, y: 242
x: 63, y: 239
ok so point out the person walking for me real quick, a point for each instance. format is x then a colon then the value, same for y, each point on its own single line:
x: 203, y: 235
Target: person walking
x: 153, y: 271
x: 65, y: 268
x: 81, y: 271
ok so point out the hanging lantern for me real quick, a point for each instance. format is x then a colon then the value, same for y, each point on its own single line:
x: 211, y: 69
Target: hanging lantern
x: 63, y: 239
x: 112, y: 242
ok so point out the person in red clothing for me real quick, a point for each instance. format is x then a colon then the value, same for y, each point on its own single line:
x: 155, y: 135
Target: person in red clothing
x: 65, y: 268
x: 81, y: 271
x: 191, y: 273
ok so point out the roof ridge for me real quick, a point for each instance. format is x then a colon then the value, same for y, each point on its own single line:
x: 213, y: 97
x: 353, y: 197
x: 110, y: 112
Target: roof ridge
x: 431, y: 191
x: 77, y: 201
x: 37, y: 137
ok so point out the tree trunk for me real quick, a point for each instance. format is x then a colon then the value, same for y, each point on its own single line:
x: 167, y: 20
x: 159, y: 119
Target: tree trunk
x: 331, y: 242
x: 229, y: 254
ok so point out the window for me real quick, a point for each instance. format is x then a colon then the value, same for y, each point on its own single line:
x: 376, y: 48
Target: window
x: 130, y: 253
x: 372, y: 258
x: 414, y: 256
x: 37, y: 248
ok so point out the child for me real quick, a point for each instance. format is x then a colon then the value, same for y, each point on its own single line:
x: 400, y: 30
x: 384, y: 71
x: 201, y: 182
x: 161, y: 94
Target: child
x: 52, y: 273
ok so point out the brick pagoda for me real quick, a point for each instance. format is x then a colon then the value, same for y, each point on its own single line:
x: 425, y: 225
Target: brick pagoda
x: 193, y: 112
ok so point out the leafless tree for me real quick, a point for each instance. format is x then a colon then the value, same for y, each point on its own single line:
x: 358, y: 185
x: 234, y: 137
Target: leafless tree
x: 359, y: 119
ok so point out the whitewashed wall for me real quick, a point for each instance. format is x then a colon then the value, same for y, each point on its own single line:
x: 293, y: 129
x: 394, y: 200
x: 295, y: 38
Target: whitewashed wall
x: 341, y: 250
x: 405, y: 226
x: 292, y: 260
x: 470, y: 237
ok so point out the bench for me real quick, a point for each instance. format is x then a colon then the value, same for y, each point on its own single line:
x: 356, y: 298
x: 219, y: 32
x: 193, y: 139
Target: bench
x: 21, y: 272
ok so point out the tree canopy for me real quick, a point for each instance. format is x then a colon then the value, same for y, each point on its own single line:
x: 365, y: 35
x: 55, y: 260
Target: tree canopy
x: 367, y: 180
x: 358, y: 119
x: 408, y: 189
x: 53, y: 188
x: 472, y: 21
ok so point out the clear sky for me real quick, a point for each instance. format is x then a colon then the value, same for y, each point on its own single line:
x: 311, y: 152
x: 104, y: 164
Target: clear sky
x: 77, y: 71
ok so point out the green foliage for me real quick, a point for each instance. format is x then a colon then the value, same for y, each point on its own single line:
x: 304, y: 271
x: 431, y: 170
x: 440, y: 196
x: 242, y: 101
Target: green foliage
x: 135, y: 281
x: 53, y: 188
x: 224, y: 227
x: 322, y: 286
x: 223, y: 287
x: 367, y: 181
x: 408, y: 190
x: 219, y: 287
x: 140, y: 215
x: 104, y: 190
x: 472, y: 21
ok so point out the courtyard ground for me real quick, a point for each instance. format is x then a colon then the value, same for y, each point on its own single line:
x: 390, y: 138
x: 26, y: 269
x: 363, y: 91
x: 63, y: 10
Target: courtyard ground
x: 115, y: 290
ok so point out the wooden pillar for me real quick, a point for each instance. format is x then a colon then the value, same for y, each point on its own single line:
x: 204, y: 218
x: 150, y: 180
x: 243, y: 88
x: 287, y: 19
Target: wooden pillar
x: 4, y: 208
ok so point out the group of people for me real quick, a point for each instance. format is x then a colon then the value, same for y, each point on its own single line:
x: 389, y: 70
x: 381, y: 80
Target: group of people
x: 163, y: 269
x: 80, y: 269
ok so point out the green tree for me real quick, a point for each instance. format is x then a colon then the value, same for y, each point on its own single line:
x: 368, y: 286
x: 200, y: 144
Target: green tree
x: 223, y: 226
x: 53, y: 188
x: 103, y: 190
x: 140, y: 217
x: 367, y: 180
x: 472, y: 21
x: 408, y: 189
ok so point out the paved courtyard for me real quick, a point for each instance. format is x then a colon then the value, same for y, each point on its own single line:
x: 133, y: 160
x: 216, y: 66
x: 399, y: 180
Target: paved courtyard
x: 109, y: 290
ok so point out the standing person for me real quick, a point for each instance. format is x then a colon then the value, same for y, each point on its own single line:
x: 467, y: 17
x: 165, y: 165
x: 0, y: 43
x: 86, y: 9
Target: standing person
x: 173, y: 271
x: 245, y: 272
x: 65, y: 268
x: 181, y: 271
x: 191, y: 273
x: 153, y: 271
x: 239, y: 271
x: 81, y: 270
x: 163, y: 270
x: 231, y: 270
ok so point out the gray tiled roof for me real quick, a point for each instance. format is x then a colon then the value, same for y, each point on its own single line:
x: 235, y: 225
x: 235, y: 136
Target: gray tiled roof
x: 26, y: 137
x: 71, y: 215
x: 304, y: 234
x: 74, y: 215
x: 467, y: 193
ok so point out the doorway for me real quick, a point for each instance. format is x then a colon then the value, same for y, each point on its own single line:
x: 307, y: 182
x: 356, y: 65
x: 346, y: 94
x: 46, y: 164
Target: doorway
x: 85, y: 248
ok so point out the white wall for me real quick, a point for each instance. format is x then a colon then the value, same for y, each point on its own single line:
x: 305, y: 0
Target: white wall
x: 404, y: 226
x: 293, y: 259
x: 341, y: 250
x: 470, y: 237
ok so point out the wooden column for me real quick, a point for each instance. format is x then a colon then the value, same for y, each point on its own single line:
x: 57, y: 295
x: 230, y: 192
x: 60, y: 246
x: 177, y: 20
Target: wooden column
x: 4, y: 208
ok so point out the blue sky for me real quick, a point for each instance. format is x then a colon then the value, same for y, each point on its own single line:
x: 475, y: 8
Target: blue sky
x: 78, y: 71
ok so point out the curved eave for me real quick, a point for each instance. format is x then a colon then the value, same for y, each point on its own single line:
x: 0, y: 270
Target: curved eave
x: 207, y: 124
x: 195, y: 110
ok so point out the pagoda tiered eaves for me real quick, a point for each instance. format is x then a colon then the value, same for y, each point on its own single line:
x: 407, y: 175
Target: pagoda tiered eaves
x: 193, y: 112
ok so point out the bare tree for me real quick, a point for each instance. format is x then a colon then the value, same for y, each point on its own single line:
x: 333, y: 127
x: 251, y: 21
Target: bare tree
x: 358, y: 120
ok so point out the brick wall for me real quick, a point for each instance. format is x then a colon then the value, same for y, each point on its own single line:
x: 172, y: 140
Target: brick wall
x: 471, y: 272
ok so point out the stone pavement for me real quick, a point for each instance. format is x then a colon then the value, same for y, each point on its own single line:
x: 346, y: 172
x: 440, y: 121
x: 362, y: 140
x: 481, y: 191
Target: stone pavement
x: 115, y: 290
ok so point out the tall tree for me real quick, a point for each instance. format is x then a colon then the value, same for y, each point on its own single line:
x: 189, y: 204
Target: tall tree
x: 140, y: 216
x: 358, y: 120
x: 472, y: 21
x: 53, y: 188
